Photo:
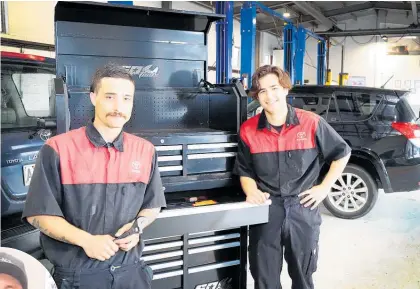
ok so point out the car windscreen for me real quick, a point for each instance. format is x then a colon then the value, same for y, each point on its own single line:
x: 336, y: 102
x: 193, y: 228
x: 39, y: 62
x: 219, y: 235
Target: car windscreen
x: 25, y: 93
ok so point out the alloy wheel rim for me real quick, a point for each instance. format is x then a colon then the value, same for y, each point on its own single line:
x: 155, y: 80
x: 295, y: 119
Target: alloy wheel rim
x: 349, y: 194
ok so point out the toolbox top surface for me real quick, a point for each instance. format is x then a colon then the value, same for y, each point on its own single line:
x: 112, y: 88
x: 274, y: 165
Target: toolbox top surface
x: 135, y: 16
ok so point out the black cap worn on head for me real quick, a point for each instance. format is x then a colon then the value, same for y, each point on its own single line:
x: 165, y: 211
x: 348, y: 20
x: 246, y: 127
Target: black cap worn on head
x: 12, y: 266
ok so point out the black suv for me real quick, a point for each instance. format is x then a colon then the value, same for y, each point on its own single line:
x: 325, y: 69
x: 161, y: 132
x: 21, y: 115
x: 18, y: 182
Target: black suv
x: 383, y: 132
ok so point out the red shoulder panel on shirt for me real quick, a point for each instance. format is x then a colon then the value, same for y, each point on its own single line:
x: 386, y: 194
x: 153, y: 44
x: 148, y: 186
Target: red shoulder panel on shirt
x: 295, y: 137
x: 248, y: 128
x: 83, y: 163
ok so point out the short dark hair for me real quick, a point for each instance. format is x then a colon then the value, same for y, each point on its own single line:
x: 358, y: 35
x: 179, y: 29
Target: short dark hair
x: 109, y: 70
x: 284, y: 78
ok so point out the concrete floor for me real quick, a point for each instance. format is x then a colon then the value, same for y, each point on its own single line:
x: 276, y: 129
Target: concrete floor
x: 378, y: 251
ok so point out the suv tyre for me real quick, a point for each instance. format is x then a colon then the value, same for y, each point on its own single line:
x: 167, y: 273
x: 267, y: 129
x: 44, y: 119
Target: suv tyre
x: 353, y: 195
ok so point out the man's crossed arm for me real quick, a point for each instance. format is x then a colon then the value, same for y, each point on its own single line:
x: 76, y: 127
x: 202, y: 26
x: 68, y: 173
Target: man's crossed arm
x: 101, y: 247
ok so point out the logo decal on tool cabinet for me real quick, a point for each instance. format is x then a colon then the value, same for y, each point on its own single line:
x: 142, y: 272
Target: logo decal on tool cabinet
x: 143, y: 71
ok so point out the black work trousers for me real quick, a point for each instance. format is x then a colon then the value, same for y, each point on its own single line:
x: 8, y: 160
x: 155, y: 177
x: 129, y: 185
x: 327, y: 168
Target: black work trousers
x: 293, y: 230
x: 133, y: 276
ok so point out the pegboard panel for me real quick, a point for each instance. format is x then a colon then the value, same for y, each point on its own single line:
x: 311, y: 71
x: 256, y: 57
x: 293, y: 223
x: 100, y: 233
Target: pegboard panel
x: 169, y: 109
x: 81, y: 109
x: 153, y: 109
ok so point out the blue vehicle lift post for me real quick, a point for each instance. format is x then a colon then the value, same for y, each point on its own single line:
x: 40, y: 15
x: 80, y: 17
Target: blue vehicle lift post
x: 289, y: 48
x: 300, y: 57
x: 224, y: 36
x: 294, y: 45
x: 322, y: 62
x: 248, y: 34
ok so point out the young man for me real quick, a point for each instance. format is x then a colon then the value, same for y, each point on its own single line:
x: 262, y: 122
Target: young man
x: 280, y: 154
x: 93, y: 184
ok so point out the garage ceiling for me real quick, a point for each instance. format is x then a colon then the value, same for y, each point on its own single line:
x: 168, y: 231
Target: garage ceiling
x: 311, y: 14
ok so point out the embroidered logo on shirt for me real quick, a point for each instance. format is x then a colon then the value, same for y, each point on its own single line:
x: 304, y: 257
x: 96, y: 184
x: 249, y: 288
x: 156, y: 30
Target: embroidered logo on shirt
x: 301, y: 136
x: 135, y: 167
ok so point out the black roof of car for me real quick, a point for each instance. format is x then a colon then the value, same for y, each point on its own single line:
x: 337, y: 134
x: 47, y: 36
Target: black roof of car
x: 254, y: 104
x: 333, y: 88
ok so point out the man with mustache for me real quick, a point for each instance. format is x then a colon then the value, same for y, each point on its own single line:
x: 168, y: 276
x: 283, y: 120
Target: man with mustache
x: 93, y: 192
x: 280, y: 154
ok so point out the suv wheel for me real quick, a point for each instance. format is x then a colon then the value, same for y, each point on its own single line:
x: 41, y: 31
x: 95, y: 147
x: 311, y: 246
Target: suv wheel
x: 353, y: 195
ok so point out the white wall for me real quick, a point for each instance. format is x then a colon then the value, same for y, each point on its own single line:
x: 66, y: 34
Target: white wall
x: 269, y: 42
x: 26, y: 18
x: 371, y: 61
x: 364, y: 55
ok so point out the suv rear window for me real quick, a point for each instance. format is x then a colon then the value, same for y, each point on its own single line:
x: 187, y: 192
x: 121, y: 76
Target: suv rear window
x: 347, y: 106
x: 354, y: 106
x: 32, y: 89
x: 25, y: 93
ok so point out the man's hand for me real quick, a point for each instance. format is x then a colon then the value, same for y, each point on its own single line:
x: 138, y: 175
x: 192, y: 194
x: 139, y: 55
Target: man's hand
x: 128, y: 242
x: 100, y: 247
x: 257, y: 197
x: 314, y: 196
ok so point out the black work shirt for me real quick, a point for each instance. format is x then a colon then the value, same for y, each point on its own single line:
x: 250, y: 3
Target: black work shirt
x: 95, y: 186
x: 287, y: 162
